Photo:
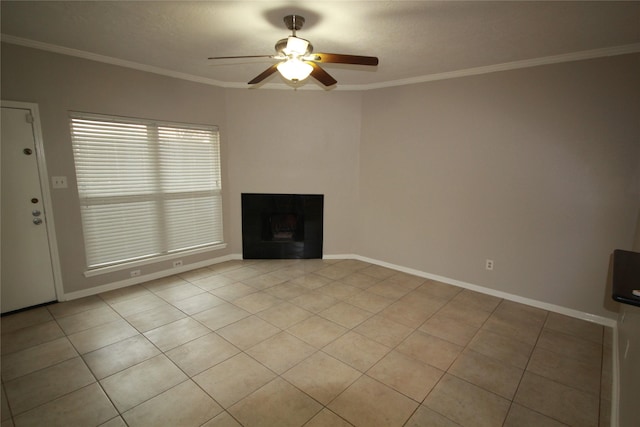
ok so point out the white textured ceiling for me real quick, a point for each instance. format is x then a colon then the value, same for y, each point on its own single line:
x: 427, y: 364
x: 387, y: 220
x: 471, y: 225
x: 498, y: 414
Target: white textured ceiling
x: 414, y: 40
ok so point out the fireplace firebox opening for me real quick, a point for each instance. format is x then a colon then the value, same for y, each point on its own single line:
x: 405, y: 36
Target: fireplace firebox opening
x: 282, y: 225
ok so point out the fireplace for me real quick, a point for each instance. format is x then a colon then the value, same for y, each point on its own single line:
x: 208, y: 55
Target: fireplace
x: 279, y: 226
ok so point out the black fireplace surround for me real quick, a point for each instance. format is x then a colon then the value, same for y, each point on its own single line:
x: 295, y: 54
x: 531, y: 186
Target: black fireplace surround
x: 282, y: 226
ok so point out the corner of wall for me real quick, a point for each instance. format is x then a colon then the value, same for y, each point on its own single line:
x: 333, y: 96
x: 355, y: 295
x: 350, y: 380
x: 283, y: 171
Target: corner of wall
x: 636, y: 241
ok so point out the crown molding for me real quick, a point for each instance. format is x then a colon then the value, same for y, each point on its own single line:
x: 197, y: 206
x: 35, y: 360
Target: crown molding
x: 527, y: 63
x: 111, y: 60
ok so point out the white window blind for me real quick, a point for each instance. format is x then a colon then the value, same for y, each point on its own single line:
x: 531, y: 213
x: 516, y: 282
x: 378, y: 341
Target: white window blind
x: 146, y: 188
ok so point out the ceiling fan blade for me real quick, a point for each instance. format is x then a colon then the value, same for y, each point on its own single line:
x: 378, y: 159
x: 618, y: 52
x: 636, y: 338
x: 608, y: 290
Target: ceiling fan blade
x: 338, y: 58
x: 240, y: 57
x: 321, y: 75
x: 266, y: 73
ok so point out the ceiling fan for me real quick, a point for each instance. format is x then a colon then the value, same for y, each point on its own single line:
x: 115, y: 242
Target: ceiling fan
x: 297, y: 60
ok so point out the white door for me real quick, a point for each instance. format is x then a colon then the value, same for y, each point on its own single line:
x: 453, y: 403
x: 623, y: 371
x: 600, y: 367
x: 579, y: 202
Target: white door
x: 27, y: 269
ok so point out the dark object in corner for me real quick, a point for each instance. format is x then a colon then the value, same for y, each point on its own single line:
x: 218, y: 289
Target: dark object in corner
x: 626, y: 276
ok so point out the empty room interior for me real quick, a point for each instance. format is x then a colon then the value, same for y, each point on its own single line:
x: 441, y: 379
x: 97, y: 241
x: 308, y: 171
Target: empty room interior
x: 437, y: 223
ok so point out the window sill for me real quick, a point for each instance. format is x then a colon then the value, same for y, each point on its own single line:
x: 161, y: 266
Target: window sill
x: 148, y: 261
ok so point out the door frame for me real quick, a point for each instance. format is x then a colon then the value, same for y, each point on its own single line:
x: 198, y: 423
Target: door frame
x: 46, y: 193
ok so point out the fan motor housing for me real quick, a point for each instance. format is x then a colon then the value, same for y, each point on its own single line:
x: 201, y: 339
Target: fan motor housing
x: 282, y: 43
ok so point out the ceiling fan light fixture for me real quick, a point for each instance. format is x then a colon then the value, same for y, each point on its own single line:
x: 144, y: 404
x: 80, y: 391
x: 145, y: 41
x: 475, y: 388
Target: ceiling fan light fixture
x: 294, y: 69
x: 297, y: 62
x: 296, y: 46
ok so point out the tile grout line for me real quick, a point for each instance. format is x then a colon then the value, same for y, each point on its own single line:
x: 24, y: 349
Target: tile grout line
x: 459, y: 354
x: 317, y: 350
x: 524, y: 370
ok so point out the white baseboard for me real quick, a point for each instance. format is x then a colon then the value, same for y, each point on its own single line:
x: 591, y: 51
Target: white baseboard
x: 605, y: 321
x: 340, y: 256
x: 146, y: 278
x: 615, y: 380
x: 511, y: 297
x: 612, y: 323
x: 505, y: 295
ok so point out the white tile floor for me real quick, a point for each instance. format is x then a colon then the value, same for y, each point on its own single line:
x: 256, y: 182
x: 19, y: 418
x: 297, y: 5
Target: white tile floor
x: 301, y: 342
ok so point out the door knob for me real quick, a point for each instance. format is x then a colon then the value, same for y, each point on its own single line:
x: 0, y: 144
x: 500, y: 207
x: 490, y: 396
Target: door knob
x: 37, y: 221
x: 36, y: 212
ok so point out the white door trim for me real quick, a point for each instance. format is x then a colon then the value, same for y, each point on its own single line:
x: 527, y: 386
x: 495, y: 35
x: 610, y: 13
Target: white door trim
x: 46, y: 193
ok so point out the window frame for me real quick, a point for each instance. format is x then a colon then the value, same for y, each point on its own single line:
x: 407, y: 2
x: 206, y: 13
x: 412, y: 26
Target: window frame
x: 155, y: 191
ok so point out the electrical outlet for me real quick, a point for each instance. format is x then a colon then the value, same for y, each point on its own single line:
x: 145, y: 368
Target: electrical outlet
x: 177, y: 263
x: 59, y: 181
x: 134, y: 273
x: 488, y: 264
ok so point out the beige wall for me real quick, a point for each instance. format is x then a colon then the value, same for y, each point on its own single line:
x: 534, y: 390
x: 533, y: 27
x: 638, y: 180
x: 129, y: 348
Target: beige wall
x: 59, y: 84
x: 536, y: 169
x: 296, y: 142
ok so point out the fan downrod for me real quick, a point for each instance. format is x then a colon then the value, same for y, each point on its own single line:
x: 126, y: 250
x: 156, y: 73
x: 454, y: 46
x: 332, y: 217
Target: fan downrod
x: 294, y: 22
